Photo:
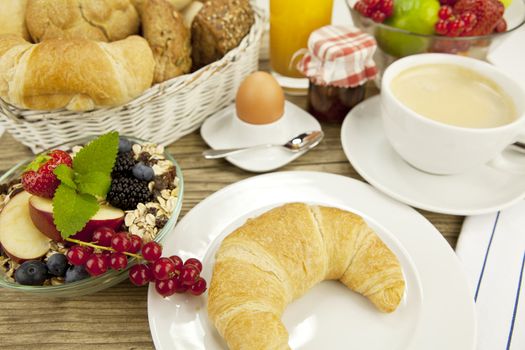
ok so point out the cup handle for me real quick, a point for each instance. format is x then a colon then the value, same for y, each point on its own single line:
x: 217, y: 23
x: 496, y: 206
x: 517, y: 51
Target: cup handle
x: 512, y: 159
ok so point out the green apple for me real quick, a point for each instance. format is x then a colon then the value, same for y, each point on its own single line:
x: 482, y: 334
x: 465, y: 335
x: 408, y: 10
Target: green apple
x: 415, y: 16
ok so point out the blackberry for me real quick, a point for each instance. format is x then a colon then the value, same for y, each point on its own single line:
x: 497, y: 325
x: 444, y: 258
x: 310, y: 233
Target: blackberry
x: 127, y: 192
x: 123, y: 164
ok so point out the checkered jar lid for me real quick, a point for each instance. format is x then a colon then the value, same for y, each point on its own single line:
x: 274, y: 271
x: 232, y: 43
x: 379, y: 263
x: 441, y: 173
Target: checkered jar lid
x: 340, y: 56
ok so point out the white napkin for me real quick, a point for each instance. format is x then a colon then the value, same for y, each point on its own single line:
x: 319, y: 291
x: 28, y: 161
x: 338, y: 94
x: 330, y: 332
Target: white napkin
x: 509, y: 56
x: 492, y: 249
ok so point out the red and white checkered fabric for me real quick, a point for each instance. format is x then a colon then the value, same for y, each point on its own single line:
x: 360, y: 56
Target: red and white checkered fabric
x: 339, y: 56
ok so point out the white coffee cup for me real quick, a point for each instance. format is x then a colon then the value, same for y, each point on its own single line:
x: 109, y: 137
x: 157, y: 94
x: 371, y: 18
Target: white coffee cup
x: 440, y: 148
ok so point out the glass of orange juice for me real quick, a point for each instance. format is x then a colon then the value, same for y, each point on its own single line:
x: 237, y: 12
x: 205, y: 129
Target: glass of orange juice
x: 291, y: 22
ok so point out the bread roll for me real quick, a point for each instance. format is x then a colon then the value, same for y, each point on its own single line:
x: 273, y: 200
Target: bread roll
x: 102, y: 20
x: 168, y: 38
x: 76, y: 74
x: 277, y: 257
x: 12, y: 17
x: 219, y: 27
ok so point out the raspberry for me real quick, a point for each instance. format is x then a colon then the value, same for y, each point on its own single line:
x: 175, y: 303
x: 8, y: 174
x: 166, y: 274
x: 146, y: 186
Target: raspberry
x: 488, y: 14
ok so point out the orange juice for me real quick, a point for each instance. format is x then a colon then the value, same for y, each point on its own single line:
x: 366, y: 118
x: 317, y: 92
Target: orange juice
x: 291, y: 22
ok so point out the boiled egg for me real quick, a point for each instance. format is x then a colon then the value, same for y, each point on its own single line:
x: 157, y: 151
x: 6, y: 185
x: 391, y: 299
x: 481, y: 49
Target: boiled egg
x: 260, y: 99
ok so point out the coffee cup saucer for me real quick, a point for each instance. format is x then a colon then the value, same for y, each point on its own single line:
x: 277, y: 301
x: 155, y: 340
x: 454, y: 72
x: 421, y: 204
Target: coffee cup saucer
x: 481, y: 190
x: 225, y: 130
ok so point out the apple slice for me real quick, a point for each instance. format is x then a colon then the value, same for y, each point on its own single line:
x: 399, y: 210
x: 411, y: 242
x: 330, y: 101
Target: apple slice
x: 20, y: 239
x: 41, y: 211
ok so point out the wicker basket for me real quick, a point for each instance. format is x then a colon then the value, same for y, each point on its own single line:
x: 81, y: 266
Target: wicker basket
x: 163, y: 113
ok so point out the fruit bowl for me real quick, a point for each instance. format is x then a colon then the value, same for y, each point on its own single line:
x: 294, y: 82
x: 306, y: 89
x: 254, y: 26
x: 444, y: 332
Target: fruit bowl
x: 111, y: 277
x: 394, y: 43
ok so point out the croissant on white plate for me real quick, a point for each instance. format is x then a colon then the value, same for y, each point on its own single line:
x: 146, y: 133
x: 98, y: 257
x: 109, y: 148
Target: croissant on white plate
x: 275, y: 258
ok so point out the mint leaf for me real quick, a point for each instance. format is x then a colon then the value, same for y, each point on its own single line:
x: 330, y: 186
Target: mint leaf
x: 65, y: 174
x: 94, y: 183
x: 72, y: 211
x: 97, y: 156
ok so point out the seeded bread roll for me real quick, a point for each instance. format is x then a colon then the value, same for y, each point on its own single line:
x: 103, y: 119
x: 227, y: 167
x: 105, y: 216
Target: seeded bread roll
x: 101, y: 20
x: 168, y: 38
x: 12, y: 17
x: 219, y: 27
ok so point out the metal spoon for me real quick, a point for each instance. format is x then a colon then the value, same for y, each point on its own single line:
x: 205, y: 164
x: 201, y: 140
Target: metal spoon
x: 302, y: 142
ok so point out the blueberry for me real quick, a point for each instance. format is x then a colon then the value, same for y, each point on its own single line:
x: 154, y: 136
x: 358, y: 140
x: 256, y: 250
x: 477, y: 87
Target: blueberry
x: 76, y: 273
x: 143, y: 172
x: 57, y: 265
x: 124, y: 145
x: 31, y: 273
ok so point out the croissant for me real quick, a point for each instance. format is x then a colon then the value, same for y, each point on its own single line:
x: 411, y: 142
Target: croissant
x: 275, y: 258
x: 76, y: 74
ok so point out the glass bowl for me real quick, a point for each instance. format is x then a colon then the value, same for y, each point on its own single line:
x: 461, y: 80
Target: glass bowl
x: 394, y: 43
x: 89, y: 285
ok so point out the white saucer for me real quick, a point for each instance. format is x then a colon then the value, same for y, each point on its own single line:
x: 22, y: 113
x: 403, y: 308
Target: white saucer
x: 225, y: 130
x: 481, y: 190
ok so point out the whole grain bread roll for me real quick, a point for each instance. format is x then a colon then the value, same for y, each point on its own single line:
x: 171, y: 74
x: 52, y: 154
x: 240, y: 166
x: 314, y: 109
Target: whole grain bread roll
x: 169, y: 39
x: 219, y: 27
x: 101, y: 20
x: 12, y: 17
x: 76, y: 74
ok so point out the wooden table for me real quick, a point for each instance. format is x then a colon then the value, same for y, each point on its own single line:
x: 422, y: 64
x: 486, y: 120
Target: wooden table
x: 117, y: 317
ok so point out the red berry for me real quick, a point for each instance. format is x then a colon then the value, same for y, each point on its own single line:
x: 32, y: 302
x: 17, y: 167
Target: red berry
x: 121, y: 242
x: 61, y: 157
x: 378, y: 17
x: 447, y: 2
x: 165, y: 288
x: 178, y: 263
x: 96, y: 265
x: 140, y: 275
x: 40, y: 184
x: 445, y: 12
x: 387, y: 7
x: 103, y: 235
x: 136, y: 244
x: 470, y: 19
x: 360, y: 7
x: 373, y: 3
x: 441, y: 27
x: 198, y: 287
x: 194, y: 262
x: 179, y: 287
x: 106, y: 254
x: 151, y: 251
x: 501, y: 26
x: 189, y: 275
x: 455, y: 27
x: 118, y: 261
x: 78, y: 255
x: 39, y: 178
x: 163, y: 269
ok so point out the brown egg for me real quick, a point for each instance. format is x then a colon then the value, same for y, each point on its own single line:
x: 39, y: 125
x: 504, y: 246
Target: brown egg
x: 260, y: 99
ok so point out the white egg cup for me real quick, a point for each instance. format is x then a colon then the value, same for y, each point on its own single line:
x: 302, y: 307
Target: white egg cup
x: 226, y: 130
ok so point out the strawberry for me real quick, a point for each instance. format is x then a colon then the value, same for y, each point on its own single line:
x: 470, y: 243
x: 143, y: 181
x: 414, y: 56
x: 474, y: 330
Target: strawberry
x: 488, y: 14
x: 39, y: 179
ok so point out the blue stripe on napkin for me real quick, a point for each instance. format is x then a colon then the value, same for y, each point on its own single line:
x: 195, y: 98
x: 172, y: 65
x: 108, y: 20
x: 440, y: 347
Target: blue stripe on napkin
x: 516, y: 303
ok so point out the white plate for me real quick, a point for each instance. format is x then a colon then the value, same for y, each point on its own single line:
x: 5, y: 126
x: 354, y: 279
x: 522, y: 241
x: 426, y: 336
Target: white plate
x: 482, y: 190
x: 225, y: 130
x: 437, y: 312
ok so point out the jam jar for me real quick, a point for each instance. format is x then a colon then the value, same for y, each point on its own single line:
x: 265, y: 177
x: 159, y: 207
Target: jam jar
x: 339, y: 62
